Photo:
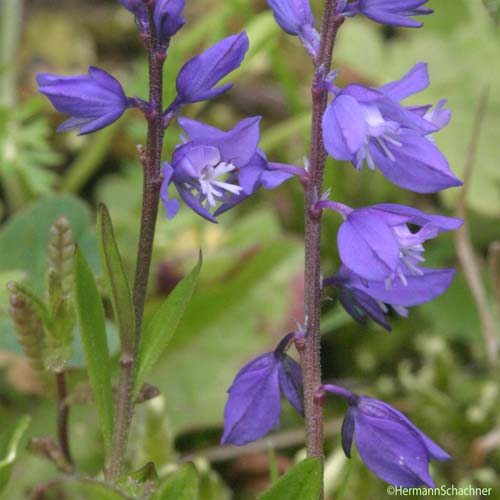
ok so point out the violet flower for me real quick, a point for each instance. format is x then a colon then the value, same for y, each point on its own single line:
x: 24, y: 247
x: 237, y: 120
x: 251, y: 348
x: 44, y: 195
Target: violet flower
x: 197, y: 78
x: 370, y: 125
x: 167, y: 16
x: 387, y: 441
x: 217, y: 168
x: 93, y: 101
x: 389, y: 12
x: 377, y: 244
x: 364, y: 299
x: 296, y: 18
x: 253, y: 407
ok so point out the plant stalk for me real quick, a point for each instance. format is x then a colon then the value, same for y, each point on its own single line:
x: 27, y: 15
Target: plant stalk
x: 63, y: 416
x: 151, y: 162
x: 311, y: 352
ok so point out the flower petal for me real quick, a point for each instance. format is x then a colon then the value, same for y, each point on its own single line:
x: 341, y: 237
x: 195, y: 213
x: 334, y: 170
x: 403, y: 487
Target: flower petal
x: 344, y: 128
x: 253, y: 406
x: 392, y: 451
x: 416, y: 80
x: 368, y: 246
x: 418, y: 165
x: 198, y: 76
x: 290, y: 380
x: 420, y: 289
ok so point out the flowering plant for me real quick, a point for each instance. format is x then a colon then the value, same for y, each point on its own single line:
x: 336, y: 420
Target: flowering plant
x: 210, y: 171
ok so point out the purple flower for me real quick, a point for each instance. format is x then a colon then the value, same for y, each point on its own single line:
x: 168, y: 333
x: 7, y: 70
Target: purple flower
x: 391, y: 12
x: 377, y: 244
x: 369, y: 125
x: 296, y: 18
x: 167, y: 16
x: 253, y: 407
x: 197, y: 78
x: 388, y: 443
x: 217, y: 168
x: 364, y: 299
x: 93, y: 101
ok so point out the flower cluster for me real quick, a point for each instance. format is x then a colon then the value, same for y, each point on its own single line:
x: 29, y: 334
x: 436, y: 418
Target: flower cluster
x: 213, y: 170
x: 382, y: 258
x: 381, y: 246
x: 368, y: 125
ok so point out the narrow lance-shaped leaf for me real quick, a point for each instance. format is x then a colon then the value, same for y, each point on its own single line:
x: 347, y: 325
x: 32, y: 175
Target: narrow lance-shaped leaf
x: 8, y: 448
x: 116, y: 279
x: 162, y: 326
x: 91, y: 320
x: 182, y: 485
x: 303, y: 480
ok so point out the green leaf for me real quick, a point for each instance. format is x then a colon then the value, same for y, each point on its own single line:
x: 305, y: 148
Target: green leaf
x: 241, y: 310
x: 116, y: 279
x: 162, y: 326
x: 91, y: 320
x: 304, y: 480
x: 89, y: 489
x: 182, y: 485
x: 9, y: 444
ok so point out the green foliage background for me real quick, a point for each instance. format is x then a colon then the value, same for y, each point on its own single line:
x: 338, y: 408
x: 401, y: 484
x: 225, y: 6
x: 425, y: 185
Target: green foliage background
x: 432, y: 366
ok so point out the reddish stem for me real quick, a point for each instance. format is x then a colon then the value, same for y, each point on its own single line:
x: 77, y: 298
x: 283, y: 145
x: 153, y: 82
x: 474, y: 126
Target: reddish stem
x: 311, y: 354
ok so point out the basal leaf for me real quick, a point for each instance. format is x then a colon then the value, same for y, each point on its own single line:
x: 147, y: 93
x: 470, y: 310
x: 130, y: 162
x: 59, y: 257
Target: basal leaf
x: 302, y: 481
x: 116, y: 279
x: 91, y: 320
x: 162, y: 326
x: 182, y: 485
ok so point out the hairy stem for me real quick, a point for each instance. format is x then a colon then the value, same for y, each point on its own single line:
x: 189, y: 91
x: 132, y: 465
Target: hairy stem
x: 310, y: 355
x: 151, y: 162
x: 63, y: 416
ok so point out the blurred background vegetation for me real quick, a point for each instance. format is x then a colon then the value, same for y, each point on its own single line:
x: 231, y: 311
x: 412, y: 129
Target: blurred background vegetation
x: 434, y: 365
